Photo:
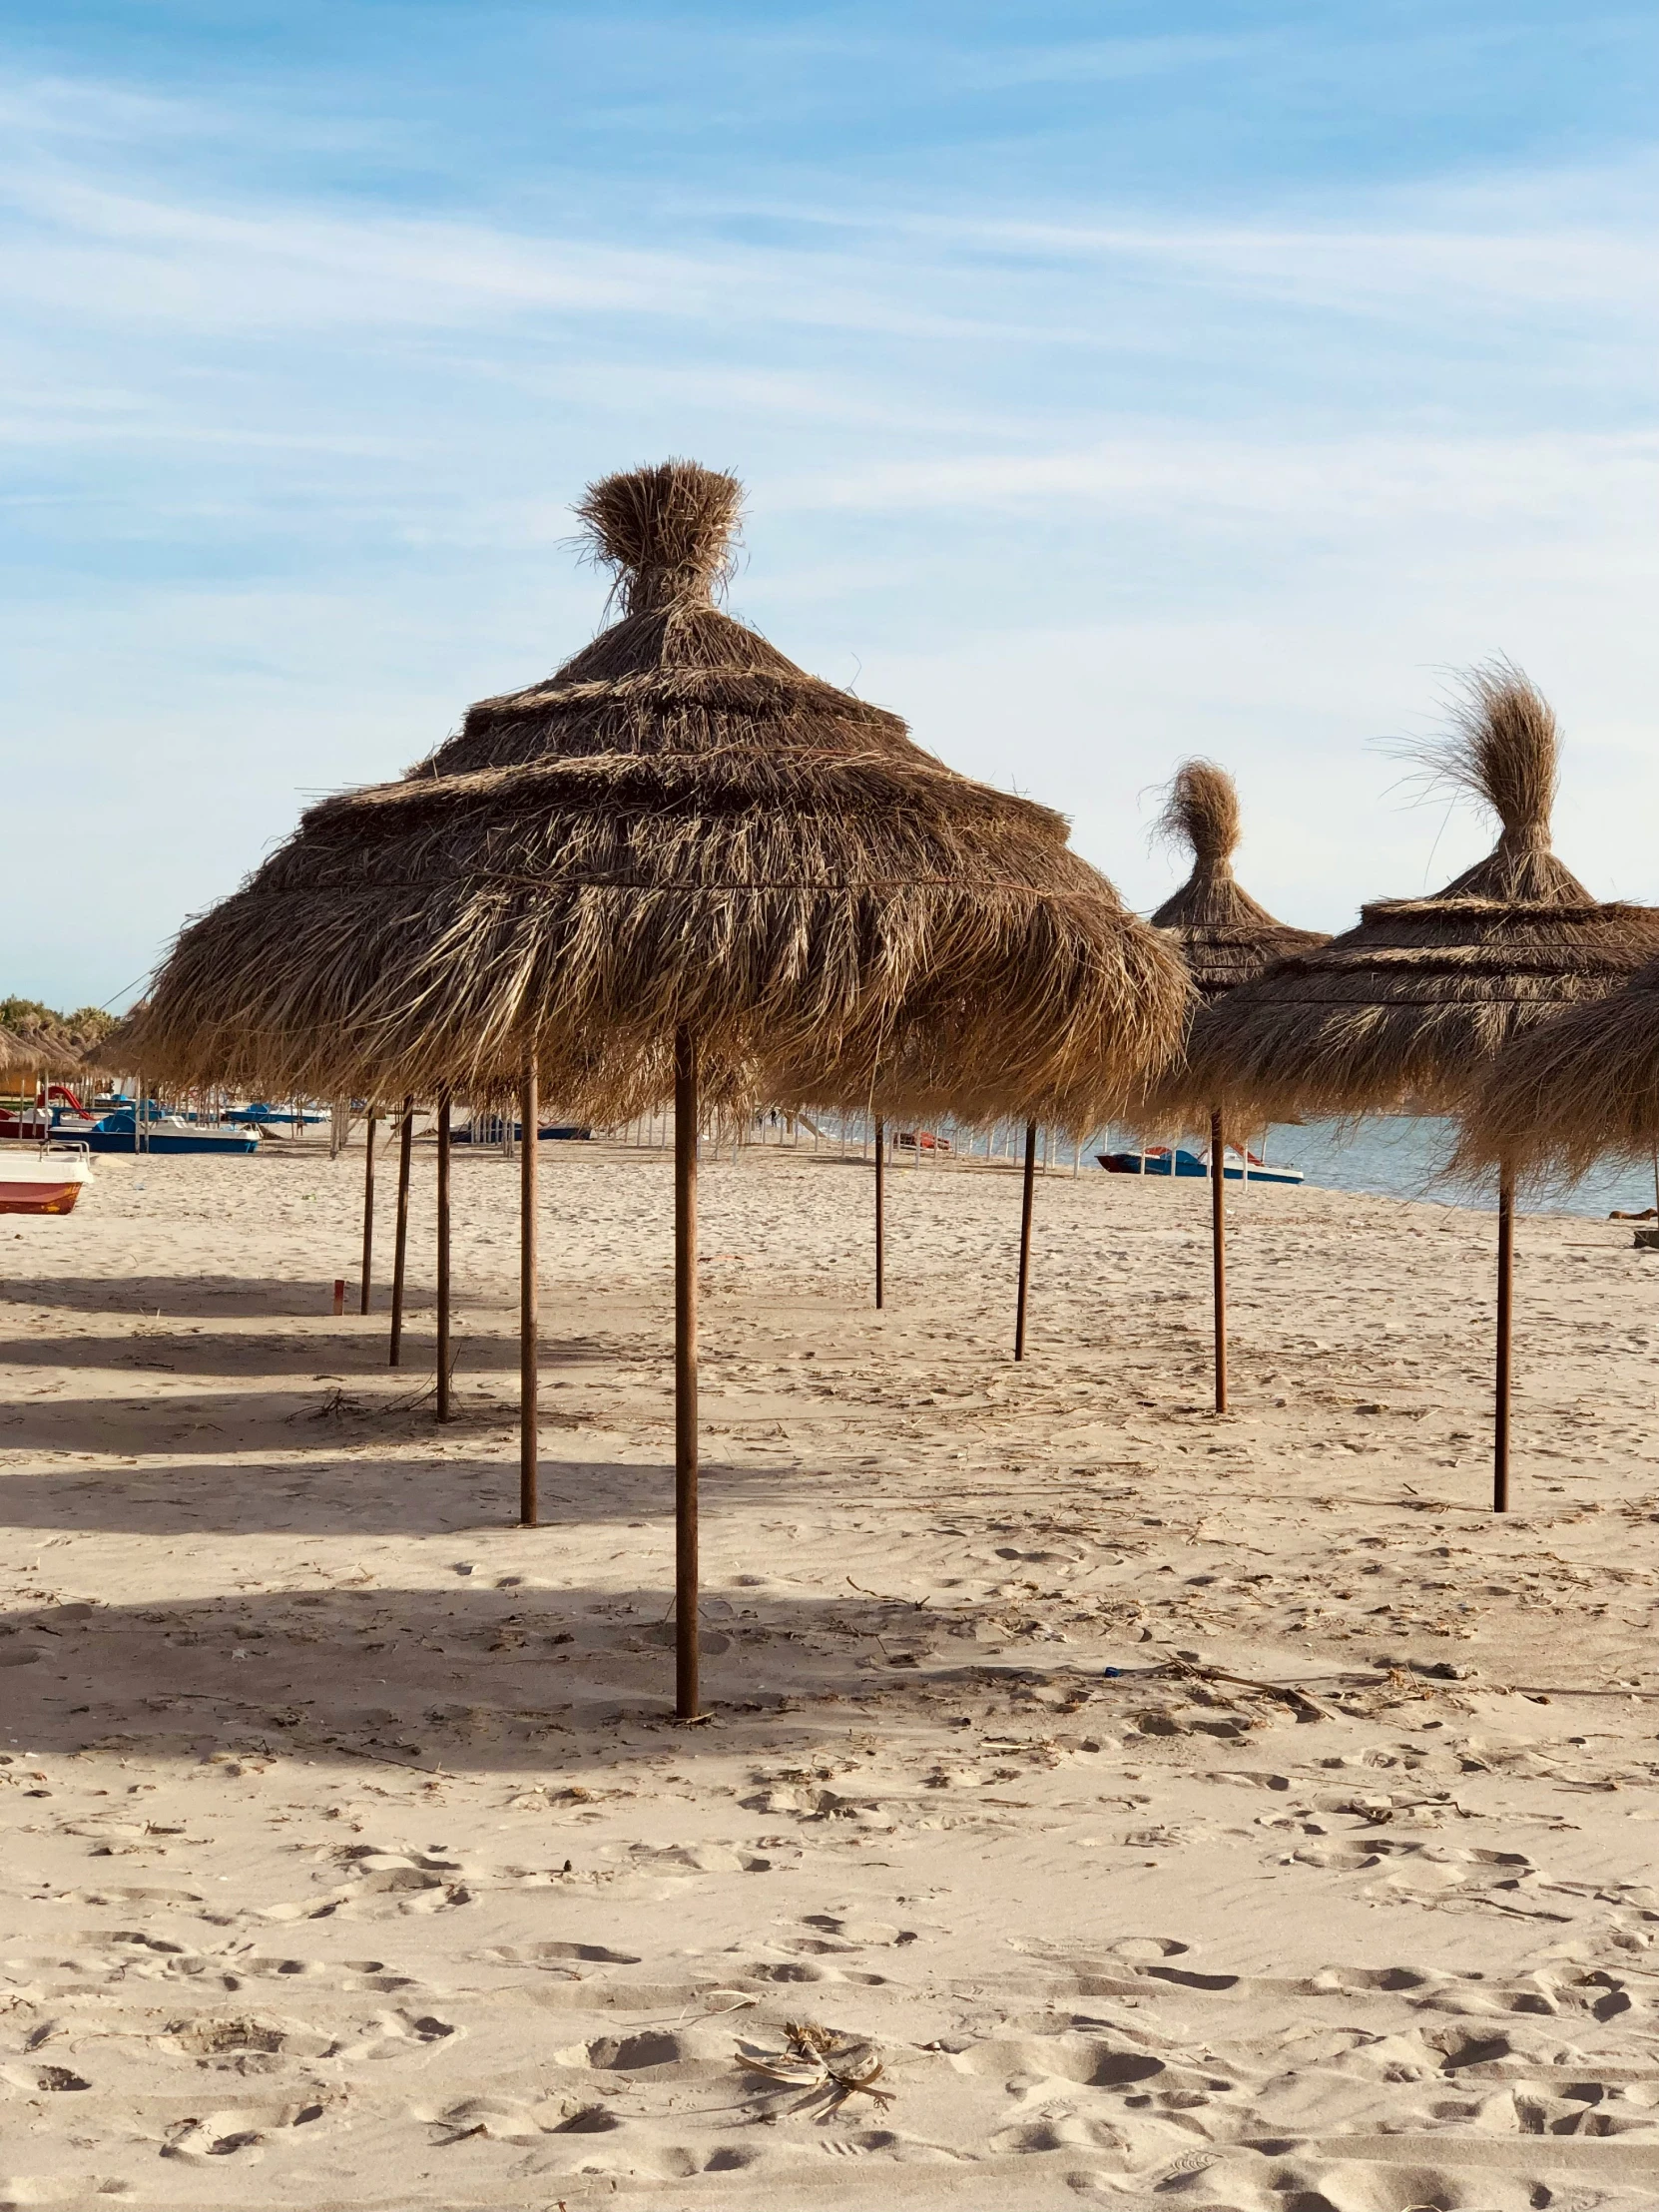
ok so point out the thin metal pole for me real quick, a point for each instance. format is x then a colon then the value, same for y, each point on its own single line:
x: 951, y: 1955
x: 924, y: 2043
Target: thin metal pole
x: 443, y: 1251
x: 1217, y: 1251
x: 1026, y: 1236
x: 368, y: 1212
x: 1506, y: 1302
x: 687, y: 1702
x: 881, y: 1213
x: 400, y: 1239
x: 528, y: 1378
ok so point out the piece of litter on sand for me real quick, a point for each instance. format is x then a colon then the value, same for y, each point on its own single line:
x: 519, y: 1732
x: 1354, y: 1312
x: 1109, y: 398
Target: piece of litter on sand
x: 826, y: 2067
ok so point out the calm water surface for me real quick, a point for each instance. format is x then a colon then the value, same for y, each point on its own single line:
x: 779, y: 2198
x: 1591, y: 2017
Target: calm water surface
x: 1387, y: 1156
x: 1404, y: 1155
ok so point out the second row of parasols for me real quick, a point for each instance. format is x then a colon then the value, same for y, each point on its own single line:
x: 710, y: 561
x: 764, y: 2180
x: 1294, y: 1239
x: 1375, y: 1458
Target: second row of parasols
x: 682, y: 868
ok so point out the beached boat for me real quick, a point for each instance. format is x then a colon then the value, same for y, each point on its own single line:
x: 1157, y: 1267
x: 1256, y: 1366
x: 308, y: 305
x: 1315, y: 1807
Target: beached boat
x: 1163, y: 1159
x: 56, y: 1111
x: 165, y: 1133
x: 36, y: 1179
x: 487, y: 1129
x: 260, y: 1115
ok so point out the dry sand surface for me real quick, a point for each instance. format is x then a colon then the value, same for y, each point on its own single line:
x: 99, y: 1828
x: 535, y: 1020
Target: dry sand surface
x: 353, y: 1858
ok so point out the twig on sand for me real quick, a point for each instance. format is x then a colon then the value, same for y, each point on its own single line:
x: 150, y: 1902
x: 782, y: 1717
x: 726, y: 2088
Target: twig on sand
x: 887, y: 1599
x: 1287, y: 1693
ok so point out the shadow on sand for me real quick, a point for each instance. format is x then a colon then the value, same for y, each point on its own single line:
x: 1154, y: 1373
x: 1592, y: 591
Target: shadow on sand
x: 503, y: 1678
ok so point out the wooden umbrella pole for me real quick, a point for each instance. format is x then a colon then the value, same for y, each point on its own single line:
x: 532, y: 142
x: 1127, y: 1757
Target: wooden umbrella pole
x: 368, y: 1212
x: 401, y: 1237
x: 443, y: 1252
x: 1026, y: 1236
x: 528, y: 1316
x: 1506, y: 1305
x: 687, y: 1704
x: 1217, y: 1251
x: 881, y: 1213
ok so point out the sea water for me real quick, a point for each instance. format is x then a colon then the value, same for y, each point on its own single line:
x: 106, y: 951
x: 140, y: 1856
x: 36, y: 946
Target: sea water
x: 1384, y: 1156
x: 1406, y: 1156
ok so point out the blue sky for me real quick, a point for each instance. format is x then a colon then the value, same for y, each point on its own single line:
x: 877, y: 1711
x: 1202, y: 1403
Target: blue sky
x: 1111, y: 382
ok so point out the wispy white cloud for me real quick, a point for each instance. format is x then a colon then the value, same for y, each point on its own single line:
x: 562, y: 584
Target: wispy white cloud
x: 101, y: 244
x: 1160, y: 467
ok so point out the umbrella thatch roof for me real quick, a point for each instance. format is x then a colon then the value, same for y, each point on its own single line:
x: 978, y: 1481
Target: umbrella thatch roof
x: 1586, y: 1086
x: 1407, y: 1009
x: 1226, y: 939
x: 45, y: 1053
x: 679, y: 828
x: 1225, y: 936
x: 118, y: 1051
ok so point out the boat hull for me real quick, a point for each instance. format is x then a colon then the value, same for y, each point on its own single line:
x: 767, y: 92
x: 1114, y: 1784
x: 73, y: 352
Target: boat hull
x: 1189, y: 1164
x: 39, y: 1184
x: 37, y: 1197
x: 166, y: 1140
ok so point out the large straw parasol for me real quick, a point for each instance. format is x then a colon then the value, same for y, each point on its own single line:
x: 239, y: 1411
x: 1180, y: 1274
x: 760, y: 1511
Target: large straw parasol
x: 1226, y: 939
x: 1407, y: 1011
x: 684, y: 866
x: 1587, y: 1087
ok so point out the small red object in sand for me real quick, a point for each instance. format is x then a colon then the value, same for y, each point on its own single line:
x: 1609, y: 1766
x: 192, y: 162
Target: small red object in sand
x: 340, y: 1295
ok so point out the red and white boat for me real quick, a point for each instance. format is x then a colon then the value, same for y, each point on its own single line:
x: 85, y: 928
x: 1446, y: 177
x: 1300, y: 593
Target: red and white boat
x: 38, y: 1179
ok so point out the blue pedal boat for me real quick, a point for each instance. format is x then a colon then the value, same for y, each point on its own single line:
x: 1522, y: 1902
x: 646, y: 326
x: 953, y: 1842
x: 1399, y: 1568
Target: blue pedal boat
x: 1164, y: 1159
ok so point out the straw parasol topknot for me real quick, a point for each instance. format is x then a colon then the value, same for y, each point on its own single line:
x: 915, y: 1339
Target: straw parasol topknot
x: 1225, y: 936
x: 1201, y: 811
x: 668, y: 533
x: 1502, y: 747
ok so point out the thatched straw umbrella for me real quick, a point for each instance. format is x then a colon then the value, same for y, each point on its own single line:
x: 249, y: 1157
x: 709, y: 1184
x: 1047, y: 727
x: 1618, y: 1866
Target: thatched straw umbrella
x: 1408, y: 1010
x: 680, y: 866
x: 44, y: 1053
x: 1227, y: 939
x: 1586, y: 1088
x: 48, y: 1051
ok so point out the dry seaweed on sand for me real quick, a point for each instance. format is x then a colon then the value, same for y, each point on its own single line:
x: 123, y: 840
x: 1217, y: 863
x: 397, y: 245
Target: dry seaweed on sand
x: 826, y: 2067
x: 679, y: 829
x: 1406, y: 1010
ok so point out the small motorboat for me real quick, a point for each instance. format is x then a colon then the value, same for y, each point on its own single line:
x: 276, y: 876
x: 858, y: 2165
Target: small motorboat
x: 1164, y: 1159
x: 41, y: 1179
x: 165, y: 1133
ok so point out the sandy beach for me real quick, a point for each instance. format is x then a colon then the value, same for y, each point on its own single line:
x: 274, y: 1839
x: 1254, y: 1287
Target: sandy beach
x: 1220, y: 1814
